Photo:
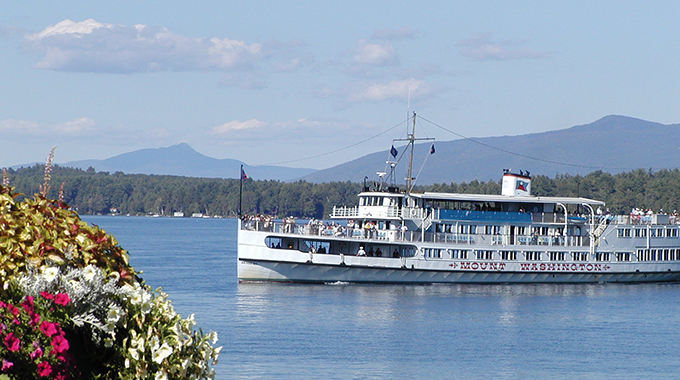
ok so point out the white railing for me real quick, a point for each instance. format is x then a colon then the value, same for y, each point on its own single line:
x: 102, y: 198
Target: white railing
x: 359, y: 233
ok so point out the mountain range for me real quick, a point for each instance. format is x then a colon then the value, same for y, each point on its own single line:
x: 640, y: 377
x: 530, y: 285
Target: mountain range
x: 183, y: 160
x: 612, y: 144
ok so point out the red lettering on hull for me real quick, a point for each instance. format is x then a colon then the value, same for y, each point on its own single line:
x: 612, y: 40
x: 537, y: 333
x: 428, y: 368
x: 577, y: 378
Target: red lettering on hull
x: 531, y: 267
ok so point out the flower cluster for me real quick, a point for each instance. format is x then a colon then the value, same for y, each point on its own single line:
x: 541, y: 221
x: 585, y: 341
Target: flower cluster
x: 135, y: 332
x: 73, y: 308
x: 33, y: 341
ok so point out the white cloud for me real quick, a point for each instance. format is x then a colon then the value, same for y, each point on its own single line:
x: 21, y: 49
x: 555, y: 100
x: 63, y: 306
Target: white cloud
x: 374, y: 54
x: 482, y: 47
x: 91, y: 46
x: 78, y: 127
x: 286, y: 132
x: 227, y: 128
x: 403, y: 90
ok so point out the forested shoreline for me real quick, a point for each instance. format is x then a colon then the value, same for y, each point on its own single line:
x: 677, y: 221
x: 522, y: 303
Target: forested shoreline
x: 91, y: 192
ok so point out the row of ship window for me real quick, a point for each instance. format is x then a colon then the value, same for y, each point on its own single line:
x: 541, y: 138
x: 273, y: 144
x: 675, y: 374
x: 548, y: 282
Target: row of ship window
x: 642, y: 232
x: 665, y: 254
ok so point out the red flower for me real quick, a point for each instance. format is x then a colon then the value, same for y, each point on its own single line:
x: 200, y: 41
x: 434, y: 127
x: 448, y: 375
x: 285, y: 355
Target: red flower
x: 13, y: 309
x: 48, y: 328
x: 46, y: 295
x: 44, y: 369
x: 12, y: 342
x: 59, y: 344
x: 61, y: 299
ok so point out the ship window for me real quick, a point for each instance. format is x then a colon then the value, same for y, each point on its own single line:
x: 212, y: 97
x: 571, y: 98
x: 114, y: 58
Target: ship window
x: 508, y: 255
x: 641, y: 232
x: 623, y: 232
x: 557, y: 256
x: 643, y: 254
x: 432, y: 253
x: 484, y: 255
x: 459, y: 254
x: 274, y: 242
x: 672, y: 232
x: 532, y: 256
x: 623, y: 256
x: 580, y: 256
x: 602, y: 256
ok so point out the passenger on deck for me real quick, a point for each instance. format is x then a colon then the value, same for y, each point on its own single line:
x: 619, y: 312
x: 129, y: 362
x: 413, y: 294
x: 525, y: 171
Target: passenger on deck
x: 395, y: 254
x: 370, y: 252
x: 378, y: 252
x: 361, y: 252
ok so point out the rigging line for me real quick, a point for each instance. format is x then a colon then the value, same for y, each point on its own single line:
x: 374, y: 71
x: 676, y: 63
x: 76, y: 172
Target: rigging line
x: 517, y: 154
x: 337, y: 150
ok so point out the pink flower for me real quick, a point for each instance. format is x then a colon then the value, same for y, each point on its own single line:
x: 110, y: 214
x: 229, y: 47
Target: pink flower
x: 13, y: 309
x: 6, y: 364
x: 46, y: 295
x: 27, y: 304
x: 59, y: 344
x: 12, y: 342
x: 44, y: 369
x: 61, y: 299
x: 37, y: 352
x: 33, y: 319
x: 48, y: 328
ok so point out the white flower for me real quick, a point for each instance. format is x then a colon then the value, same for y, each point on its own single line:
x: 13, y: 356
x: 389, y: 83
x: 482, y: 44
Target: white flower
x: 89, y: 272
x: 134, y: 353
x: 160, y: 376
x: 50, y: 273
x: 161, y: 353
x: 113, y: 314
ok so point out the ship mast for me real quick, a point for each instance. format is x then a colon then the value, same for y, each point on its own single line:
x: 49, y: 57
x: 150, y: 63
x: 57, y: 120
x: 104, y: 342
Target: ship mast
x: 411, y: 138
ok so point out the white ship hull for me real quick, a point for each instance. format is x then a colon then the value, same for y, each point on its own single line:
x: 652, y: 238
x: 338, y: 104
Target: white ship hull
x: 257, y: 262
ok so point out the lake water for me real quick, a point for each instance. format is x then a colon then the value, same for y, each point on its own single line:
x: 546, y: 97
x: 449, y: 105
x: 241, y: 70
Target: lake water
x: 288, y: 331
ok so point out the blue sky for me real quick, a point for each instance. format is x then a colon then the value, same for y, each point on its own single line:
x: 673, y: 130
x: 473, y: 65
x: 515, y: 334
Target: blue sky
x: 286, y: 83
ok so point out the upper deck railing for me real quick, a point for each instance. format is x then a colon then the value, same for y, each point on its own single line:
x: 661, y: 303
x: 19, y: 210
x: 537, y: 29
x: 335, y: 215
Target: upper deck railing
x: 392, y: 235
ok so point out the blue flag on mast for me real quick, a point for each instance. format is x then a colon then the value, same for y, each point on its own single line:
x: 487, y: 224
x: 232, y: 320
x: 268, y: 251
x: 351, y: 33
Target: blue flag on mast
x: 432, y: 149
x: 394, y: 152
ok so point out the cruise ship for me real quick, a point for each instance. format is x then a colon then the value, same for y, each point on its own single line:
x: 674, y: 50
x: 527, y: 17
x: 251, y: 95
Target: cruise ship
x: 403, y: 236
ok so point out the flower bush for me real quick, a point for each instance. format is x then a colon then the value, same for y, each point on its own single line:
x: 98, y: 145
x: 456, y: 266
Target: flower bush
x: 71, y: 306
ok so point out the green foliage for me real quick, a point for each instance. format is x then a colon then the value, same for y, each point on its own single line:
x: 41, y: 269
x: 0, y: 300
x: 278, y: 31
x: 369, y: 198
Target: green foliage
x: 37, y: 232
x: 90, y: 192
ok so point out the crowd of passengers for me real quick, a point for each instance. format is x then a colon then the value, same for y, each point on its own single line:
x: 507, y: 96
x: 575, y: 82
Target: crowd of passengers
x: 641, y: 216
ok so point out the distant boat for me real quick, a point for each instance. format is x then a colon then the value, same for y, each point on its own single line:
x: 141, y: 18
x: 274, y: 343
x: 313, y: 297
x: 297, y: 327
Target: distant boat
x: 395, y: 236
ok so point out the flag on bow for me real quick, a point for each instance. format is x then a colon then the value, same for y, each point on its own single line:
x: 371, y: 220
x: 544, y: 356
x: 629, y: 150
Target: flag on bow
x: 432, y: 149
x: 394, y: 152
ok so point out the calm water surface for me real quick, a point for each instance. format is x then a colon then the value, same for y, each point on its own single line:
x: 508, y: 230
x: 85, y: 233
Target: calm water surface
x: 286, y: 331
